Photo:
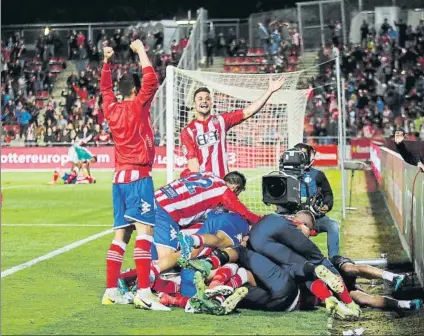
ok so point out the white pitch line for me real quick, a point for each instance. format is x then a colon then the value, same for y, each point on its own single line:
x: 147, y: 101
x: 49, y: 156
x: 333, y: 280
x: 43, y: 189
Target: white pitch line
x: 54, y: 253
x: 22, y: 186
x: 57, y: 225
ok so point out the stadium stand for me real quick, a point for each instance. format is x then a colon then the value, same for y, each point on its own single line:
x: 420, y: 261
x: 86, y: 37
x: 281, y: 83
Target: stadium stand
x: 384, y: 80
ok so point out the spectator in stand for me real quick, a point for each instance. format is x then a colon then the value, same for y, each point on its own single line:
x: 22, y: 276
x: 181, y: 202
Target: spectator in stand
x: 64, y: 137
x: 50, y: 138
x: 364, y: 33
x: 210, y: 46
x: 401, y: 27
x: 103, y: 138
x: 157, y: 136
x: 264, y: 36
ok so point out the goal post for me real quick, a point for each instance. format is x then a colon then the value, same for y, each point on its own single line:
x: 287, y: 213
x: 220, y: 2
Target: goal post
x: 255, y: 145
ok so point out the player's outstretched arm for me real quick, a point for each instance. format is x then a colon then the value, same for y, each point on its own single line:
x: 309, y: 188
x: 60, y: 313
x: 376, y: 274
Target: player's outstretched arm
x: 231, y: 202
x: 106, y: 82
x: 274, y: 85
x: 150, y: 81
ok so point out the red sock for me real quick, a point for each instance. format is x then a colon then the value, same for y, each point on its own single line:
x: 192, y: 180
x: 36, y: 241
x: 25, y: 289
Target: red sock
x: 71, y: 176
x: 165, y: 286
x: 55, y: 176
x: 113, y: 265
x: 132, y: 273
x: 345, y: 296
x: 235, y: 281
x: 143, y: 259
x: 214, y: 261
x: 320, y: 290
x: 221, y: 277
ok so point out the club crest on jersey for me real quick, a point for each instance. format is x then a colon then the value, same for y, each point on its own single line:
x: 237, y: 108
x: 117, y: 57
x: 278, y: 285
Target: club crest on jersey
x: 308, y: 179
x: 239, y: 237
x: 215, y: 121
x: 207, y: 139
x: 145, y: 207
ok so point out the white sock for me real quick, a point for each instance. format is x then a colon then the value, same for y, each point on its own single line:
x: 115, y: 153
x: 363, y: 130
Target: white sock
x: 197, y: 241
x: 233, y: 268
x: 404, y: 304
x: 243, y: 274
x: 388, y: 276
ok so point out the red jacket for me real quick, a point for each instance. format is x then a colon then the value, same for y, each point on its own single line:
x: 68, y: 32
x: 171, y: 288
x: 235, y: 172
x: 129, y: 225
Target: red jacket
x: 130, y: 123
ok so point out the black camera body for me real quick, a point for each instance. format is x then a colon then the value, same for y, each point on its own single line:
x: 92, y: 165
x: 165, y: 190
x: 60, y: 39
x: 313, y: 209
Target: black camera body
x: 282, y: 188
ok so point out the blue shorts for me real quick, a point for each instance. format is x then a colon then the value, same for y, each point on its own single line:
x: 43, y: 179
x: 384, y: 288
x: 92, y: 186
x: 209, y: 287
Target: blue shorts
x: 166, y: 230
x: 66, y: 176
x: 231, y: 224
x: 133, y: 202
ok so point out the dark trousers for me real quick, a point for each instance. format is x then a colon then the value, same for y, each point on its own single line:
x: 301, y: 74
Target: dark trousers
x: 278, y: 239
x: 276, y: 288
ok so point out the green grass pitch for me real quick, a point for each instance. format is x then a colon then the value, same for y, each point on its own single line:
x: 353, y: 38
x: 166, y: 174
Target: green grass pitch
x: 62, y: 295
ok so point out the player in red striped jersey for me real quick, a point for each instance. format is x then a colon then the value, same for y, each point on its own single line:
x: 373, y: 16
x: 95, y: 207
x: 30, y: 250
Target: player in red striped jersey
x: 185, y: 201
x: 133, y: 191
x: 204, y: 139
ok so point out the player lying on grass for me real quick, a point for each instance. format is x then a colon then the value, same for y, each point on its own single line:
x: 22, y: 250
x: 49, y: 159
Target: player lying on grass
x: 284, y: 241
x: 133, y: 191
x: 188, y: 200
x: 350, y: 272
x: 81, y: 176
x: 203, y: 139
x: 79, y: 173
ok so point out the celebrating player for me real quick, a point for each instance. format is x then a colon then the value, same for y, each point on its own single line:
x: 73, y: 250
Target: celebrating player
x: 185, y: 201
x: 203, y: 139
x: 133, y: 191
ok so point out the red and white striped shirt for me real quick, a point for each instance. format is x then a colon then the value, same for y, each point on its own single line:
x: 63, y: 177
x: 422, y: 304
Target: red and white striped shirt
x: 189, y: 199
x: 206, y: 141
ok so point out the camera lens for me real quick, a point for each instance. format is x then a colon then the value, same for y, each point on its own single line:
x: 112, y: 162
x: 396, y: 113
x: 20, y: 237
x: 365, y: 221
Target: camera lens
x: 276, y: 188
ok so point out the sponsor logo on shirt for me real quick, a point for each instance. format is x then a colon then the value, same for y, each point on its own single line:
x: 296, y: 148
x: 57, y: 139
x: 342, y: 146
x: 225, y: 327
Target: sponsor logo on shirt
x: 207, y: 139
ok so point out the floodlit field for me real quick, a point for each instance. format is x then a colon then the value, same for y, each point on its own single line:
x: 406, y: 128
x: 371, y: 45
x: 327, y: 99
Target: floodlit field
x: 61, y: 295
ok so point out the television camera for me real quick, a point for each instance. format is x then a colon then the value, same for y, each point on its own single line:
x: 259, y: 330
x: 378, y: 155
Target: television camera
x: 283, y: 187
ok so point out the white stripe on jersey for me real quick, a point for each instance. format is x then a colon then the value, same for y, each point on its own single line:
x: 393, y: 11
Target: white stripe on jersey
x: 204, y: 149
x: 188, y: 202
x: 223, y: 145
x: 121, y: 177
x: 214, y: 155
x: 135, y: 174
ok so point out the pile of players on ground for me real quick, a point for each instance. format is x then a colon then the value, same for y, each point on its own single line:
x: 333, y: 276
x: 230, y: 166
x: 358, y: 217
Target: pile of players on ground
x: 270, y: 265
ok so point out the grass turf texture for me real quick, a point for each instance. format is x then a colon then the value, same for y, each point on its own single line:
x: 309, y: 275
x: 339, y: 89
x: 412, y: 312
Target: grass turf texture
x: 62, y: 295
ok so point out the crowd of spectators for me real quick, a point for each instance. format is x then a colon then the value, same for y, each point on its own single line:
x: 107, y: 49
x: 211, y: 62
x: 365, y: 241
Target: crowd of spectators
x: 384, y: 84
x: 80, y: 118
x: 24, y: 80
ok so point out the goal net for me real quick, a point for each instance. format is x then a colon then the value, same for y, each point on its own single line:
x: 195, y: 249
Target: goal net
x: 255, y: 145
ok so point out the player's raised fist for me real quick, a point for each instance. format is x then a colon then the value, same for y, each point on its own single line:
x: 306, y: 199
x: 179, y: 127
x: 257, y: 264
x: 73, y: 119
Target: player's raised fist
x: 137, y: 46
x: 108, y: 53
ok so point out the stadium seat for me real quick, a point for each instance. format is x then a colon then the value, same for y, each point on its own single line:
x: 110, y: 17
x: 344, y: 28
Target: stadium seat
x: 228, y: 60
x: 226, y: 68
x: 39, y: 103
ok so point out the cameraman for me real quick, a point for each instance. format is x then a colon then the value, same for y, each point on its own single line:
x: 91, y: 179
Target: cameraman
x: 316, y: 193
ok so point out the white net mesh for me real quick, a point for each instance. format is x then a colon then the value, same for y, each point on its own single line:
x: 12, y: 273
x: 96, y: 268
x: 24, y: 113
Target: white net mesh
x: 254, y: 146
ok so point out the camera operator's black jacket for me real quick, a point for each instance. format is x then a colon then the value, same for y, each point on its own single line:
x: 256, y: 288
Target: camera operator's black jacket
x: 313, y: 180
x: 408, y: 155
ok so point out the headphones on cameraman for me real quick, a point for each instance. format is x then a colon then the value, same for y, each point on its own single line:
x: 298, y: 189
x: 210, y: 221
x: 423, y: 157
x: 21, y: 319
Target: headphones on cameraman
x: 309, y: 151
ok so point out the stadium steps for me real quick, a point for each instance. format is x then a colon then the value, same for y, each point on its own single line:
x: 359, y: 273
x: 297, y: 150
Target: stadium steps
x: 218, y: 65
x: 308, y: 61
x: 59, y: 86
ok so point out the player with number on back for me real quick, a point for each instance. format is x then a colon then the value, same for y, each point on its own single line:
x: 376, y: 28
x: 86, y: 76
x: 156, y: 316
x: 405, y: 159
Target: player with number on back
x: 133, y: 191
x: 186, y: 201
x: 204, y: 139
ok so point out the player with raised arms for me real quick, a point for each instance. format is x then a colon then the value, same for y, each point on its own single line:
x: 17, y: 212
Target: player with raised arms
x: 133, y: 191
x: 204, y: 139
